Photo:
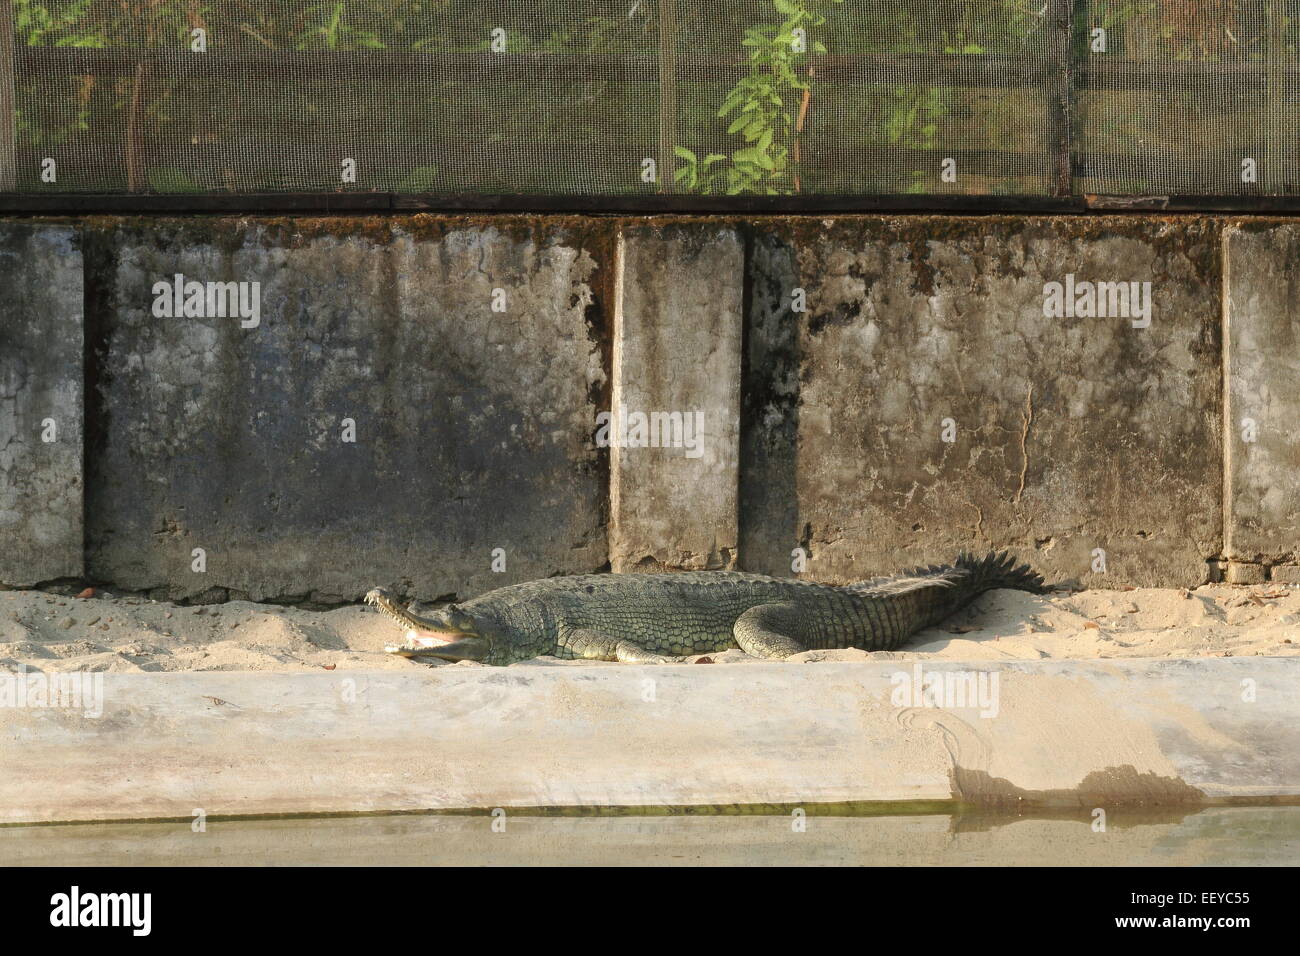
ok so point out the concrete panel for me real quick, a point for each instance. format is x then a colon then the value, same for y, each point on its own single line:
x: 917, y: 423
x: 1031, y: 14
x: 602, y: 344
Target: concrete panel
x: 1070, y: 433
x: 467, y: 357
x: 1262, y: 417
x: 41, y: 347
x: 677, y: 351
x: 1078, y: 734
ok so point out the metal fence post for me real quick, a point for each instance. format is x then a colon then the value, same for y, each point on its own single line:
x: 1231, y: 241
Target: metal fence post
x: 667, y: 94
x: 1062, y: 23
x: 1274, y: 176
x: 8, y: 102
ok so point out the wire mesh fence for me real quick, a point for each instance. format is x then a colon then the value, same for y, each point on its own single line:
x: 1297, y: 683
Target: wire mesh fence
x: 650, y: 97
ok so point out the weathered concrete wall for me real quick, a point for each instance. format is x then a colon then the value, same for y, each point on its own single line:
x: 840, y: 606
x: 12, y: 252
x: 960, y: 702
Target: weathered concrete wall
x: 677, y: 348
x: 1068, y: 434
x: 473, y: 427
x: 1077, y: 734
x: 1262, y: 413
x: 41, y: 378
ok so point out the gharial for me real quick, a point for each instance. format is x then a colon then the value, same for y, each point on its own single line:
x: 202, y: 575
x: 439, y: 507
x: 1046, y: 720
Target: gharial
x: 656, y: 618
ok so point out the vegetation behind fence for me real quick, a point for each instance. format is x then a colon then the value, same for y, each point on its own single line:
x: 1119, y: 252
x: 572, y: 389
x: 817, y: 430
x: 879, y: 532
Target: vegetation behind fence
x: 627, y: 97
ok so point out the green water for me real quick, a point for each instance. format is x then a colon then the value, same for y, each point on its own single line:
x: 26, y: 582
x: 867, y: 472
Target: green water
x: 1229, y: 836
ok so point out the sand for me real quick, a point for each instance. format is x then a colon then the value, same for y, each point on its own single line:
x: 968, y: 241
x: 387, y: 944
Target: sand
x: 52, y: 632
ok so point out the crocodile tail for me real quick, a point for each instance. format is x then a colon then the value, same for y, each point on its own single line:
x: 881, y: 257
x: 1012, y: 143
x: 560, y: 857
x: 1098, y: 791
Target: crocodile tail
x: 971, y: 575
x: 964, y: 579
x: 997, y: 570
x: 940, y: 590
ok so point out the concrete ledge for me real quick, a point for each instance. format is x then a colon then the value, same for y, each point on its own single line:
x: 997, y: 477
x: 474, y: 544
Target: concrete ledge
x: 1059, y: 734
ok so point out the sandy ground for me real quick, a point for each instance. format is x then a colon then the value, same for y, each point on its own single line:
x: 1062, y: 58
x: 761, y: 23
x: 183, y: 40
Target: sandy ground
x: 51, y: 632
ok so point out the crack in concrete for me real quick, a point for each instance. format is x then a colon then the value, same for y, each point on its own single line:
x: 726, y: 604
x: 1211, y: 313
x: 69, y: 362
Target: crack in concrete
x: 1027, y: 417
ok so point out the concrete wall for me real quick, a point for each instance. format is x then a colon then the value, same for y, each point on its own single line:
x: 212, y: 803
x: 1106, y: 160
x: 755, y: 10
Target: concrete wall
x: 921, y: 401
x: 472, y: 426
x: 831, y: 358
x: 1262, y: 395
x: 40, y: 403
x: 677, y: 339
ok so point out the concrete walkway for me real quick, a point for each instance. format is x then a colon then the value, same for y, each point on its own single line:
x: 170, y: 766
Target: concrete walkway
x: 1076, y: 734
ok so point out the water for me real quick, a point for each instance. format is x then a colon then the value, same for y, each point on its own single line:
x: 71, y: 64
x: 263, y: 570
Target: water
x: 1235, y: 836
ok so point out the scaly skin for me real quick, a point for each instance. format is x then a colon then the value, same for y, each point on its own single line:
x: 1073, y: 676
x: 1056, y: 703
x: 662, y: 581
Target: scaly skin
x: 653, y: 618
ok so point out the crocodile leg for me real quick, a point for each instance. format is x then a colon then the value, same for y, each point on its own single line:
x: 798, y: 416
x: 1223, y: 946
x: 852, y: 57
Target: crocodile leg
x: 771, y: 630
x: 592, y: 646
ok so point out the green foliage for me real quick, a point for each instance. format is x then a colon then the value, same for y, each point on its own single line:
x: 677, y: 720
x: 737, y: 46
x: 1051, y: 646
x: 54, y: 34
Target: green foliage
x: 35, y: 23
x: 38, y: 135
x: 100, y: 23
x: 328, y: 29
x: 422, y: 179
x: 697, y: 174
x: 1114, y: 16
x: 741, y: 138
x: 763, y: 108
x: 912, y: 118
x: 168, y: 179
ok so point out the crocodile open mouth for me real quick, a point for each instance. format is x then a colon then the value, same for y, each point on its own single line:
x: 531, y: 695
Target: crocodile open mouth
x: 425, y: 638
x: 381, y: 599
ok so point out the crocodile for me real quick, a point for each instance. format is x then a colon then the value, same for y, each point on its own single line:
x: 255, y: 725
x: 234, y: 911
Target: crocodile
x: 659, y: 618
